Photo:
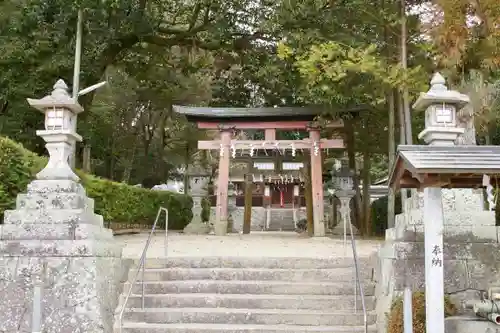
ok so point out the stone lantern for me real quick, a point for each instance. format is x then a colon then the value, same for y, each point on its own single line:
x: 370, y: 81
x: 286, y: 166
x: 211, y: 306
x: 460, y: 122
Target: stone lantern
x: 343, y: 185
x: 57, y: 241
x: 440, y: 105
x: 60, y: 131
x: 198, y: 189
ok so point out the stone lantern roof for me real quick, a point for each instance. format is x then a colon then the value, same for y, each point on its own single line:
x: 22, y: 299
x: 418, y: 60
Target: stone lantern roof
x: 439, y: 93
x: 59, y: 98
x: 441, y: 163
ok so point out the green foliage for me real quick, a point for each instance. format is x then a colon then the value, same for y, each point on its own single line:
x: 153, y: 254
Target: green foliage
x: 379, y: 214
x: 395, y: 324
x: 122, y: 203
x: 205, y: 209
x: 345, y: 75
x: 17, y: 168
x: 116, y: 202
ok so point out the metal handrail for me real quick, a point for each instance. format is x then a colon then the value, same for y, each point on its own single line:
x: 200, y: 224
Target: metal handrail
x: 142, y: 265
x: 358, y: 281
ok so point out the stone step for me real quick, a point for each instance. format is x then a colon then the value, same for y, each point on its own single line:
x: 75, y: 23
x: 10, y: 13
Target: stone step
x: 281, y: 226
x: 246, y: 316
x: 250, y: 262
x: 63, y: 231
x: 192, y: 300
x: 38, y: 201
x: 250, y: 287
x: 52, y: 216
x: 227, y: 328
x: 281, y: 274
x: 281, y: 219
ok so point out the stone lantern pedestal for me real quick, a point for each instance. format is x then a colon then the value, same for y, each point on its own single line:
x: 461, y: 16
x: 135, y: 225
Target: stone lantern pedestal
x: 345, y: 225
x: 54, y: 239
x: 198, y: 182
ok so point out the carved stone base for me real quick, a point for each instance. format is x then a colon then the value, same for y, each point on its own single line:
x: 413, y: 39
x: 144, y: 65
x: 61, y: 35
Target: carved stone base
x: 220, y: 228
x: 54, y: 239
x: 79, y: 294
x: 197, y: 228
x: 339, y: 229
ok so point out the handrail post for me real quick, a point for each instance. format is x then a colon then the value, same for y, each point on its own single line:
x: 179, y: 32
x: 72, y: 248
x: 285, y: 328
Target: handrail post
x: 166, y: 232
x: 142, y: 267
x: 36, y: 322
x: 408, y: 311
x: 142, y: 298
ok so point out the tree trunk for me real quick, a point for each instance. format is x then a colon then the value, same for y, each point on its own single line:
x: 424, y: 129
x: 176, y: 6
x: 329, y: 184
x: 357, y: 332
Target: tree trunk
x: 186, y: 167
x: 87, y: 165
x: 110, y: 159
x: 247, y: 221
x: 404, y: 64
x: 366, y: 192
x: 405, y: 95
x: 130, y: 163
x: 402, y: 140
x: 391, y: 199
x: 351, y: 155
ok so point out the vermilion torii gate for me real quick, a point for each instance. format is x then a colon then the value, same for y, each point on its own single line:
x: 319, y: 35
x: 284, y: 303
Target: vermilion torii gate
x: 228, y: 120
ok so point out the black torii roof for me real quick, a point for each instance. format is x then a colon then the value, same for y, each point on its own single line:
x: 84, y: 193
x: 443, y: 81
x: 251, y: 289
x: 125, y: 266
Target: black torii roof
x: 247, y: 114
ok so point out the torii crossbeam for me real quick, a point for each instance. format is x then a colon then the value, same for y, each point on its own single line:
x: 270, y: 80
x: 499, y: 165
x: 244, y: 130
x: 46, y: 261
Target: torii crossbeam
x: 274, y: 144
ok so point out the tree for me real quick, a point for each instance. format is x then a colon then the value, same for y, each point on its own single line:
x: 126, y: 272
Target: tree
x: 466, y: 35
x: 38, y: 36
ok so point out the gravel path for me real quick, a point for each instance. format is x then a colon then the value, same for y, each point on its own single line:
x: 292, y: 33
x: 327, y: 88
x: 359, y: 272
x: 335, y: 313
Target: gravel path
x: 256, y: 244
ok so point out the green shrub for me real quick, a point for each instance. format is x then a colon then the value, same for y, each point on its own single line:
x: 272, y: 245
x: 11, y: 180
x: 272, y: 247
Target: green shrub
x: 116, y: 202
x: 395, y: 323
x: 379, y: 214
x: 17, y: 167
x: 205, y: 209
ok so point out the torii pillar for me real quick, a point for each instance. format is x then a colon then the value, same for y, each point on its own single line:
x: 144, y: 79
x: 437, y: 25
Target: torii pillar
x: 317, y: 182
x: 220, y: 226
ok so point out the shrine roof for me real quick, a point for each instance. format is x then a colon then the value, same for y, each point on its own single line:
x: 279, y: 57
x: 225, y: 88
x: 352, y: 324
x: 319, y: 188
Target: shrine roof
x: 419, y: 166
x: 194, y: 113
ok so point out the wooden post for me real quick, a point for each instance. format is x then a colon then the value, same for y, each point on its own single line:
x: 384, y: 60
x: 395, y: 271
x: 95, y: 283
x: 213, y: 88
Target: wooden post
x: 247, y: 221
x: 309, y: 199
x: 270, y: 134
x: 317, y: 184
x: 267, y: 204
x: 222, y: 184
x: 434, y: 274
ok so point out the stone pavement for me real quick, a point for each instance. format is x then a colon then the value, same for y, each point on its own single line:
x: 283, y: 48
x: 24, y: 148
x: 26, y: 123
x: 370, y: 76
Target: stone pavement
x: 256, y: 244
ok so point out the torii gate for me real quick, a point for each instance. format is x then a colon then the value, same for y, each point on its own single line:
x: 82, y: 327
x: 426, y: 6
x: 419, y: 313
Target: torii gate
x: 227, y: 120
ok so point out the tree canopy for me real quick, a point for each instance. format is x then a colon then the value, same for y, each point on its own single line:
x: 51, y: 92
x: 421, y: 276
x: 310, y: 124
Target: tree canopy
x: 157, y: 53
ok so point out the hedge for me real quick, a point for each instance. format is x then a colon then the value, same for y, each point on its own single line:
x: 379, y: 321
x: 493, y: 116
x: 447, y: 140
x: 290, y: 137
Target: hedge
x: 116, y: 202
x: 379, y: 214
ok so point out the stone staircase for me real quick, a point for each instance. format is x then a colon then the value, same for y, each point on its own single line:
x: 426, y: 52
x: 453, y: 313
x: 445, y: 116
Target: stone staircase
x: 281, y: 219
x: 248, y: 295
